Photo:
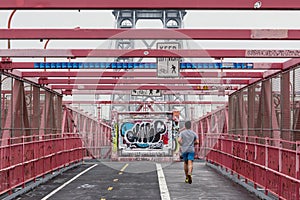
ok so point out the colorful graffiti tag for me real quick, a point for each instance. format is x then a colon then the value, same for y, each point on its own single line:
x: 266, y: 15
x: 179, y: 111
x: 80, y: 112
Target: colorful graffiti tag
x: 151, y: 135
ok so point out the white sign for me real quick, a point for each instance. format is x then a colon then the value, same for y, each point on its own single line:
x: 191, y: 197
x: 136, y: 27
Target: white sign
x: 168, y: 67
x: 150, y: 93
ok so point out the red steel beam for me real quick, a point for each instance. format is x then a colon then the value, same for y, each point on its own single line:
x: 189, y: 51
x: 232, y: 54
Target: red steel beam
x: 290, y: 63
x: 179, y: 34
x: 142, y: 81
x: 139, y: 87
x: 30, y: 65
x: 127, y: 92
x: 144, y: 102
x: 153, y: 4
x: 149, y: 53
x: 98, y: 74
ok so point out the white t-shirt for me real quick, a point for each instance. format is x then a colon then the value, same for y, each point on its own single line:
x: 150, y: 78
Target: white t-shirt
x: 188, y: 138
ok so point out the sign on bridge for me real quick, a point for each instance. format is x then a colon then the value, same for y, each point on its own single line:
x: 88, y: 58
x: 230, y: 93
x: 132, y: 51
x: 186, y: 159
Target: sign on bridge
x: 168, y: 67
x: 150, y: 93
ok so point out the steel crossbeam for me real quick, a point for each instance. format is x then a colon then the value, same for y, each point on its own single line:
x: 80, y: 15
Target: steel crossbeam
x: 149, y: 53
x: 154, y: 4
x: 144, y: 102
x: 101, y: 73
x: 140, y: 34
x: 142, y: 81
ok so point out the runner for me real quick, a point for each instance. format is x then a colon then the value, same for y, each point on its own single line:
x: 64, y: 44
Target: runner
x: 187, y: 139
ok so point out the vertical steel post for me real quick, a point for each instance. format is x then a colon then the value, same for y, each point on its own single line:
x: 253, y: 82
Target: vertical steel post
x: 251, y: 110
x: 23, y: 165
x: 9, y: 161
x: 285, y: 106
x: 99, y: 113
x: 297, y: 168
x: 1, y: 103
x: 11, y: 128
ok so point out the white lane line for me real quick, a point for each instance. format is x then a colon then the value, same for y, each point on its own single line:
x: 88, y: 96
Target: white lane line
x: 66, y: 183
x: 164, y: 192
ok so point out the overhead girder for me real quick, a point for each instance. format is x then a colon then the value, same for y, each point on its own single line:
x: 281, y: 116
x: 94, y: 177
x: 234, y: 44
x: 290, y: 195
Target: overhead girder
x: 144, y: 102
x: 154, y: 4
x: 149, y: 53
x: 290, y: 63
x: 142, y: 81
x: 165, y: 92
x: 31, y: 65
x: 99, y: 74
x: 140, y: 87
x: 143, y: 34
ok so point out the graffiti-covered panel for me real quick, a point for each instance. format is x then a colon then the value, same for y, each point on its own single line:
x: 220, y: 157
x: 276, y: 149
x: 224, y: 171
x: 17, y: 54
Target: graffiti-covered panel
x: 144, y: 134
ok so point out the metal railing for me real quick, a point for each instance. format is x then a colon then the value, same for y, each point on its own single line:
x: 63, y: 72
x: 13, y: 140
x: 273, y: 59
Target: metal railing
x: 27, y: 158
x: 273, y: 168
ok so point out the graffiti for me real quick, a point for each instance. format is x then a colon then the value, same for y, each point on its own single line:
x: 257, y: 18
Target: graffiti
x: 115, y: 137
x: 150, y: 135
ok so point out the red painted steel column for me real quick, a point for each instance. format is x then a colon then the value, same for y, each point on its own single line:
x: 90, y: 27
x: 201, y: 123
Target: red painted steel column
x: 58, y: 113
x: 98, y: 140
x: 71, y: 122
x: 36, y: 116
x: 259, y: 103
x: 52, y: 114
x: 297, y: 168
x: 251, y: 110
x: 42, y: 130
x: 23, y: 157
x: 76, y: 118
x: 9, y: 161
x: 2, y: 98
x: 232, y: 114
x: 64, y: 127
x: 269, y: 121
x: 13, y: 115
x: 285, y: 105
x: 93, y: 138
x: 243, y: 112
x: 226, y: 119
x: 84, y: 133
x: 26, y: 127
x: 208, y: 125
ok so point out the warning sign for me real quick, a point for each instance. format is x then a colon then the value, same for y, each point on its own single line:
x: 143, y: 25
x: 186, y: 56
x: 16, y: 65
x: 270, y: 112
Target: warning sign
x: 168, y: 67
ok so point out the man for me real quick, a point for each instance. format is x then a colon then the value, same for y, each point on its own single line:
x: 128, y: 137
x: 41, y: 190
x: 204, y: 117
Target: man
x: 187, y: 139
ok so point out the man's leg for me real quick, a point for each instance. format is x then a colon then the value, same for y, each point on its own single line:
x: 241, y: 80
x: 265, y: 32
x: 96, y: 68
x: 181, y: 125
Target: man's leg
x: 190, y: 166
x: 185, y: 165
x: 186, y: 168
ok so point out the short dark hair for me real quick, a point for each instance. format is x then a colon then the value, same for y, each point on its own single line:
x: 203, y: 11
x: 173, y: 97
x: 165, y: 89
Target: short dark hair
x: 188, y: 124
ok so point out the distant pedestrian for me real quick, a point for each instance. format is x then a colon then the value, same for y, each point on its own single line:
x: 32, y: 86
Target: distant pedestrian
x: 187, y: 139
x: 173, y: 69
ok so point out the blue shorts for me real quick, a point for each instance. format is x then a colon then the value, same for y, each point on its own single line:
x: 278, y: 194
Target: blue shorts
x: 188, y: 156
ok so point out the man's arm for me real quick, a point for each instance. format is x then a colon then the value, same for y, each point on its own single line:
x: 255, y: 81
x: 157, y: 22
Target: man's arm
x: 196, y: 139
x: 179, y: 140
